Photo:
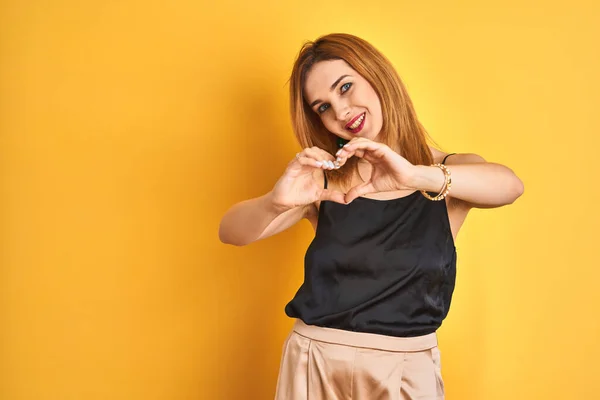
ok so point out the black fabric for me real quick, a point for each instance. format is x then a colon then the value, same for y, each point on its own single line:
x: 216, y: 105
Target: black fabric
x: 379, y: 266
x: 445, y: 158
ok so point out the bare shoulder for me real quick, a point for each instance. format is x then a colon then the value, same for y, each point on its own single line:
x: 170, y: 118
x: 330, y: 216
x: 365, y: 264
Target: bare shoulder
x: 457, y: 209
x: 455, y: 158
x: 438, y: 155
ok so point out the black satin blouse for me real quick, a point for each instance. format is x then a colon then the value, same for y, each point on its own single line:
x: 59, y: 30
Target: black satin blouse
x: 379, y: 266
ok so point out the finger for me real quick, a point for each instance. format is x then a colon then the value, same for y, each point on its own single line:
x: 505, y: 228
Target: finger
x: 318, y: 154
x: 371, y: 156
x: 357, y: 140
x: 360, y: 190
x: 351, y: 147
x: 333, y: 195
x: 329, y: 165
x: 326, y: 159
x: 343, y: 154
x: 340, y: 161
x: 343, y: 158
x: 304, y: 159
x: 307, y: 161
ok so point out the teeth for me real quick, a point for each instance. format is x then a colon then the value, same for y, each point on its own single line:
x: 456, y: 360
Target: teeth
x: 357, y: 122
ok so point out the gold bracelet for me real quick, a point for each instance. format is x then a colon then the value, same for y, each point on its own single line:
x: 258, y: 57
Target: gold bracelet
x: 447, y: 184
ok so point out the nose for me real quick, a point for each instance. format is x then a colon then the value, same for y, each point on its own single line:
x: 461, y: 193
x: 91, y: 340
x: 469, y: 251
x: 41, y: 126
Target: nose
x: 342, y: 112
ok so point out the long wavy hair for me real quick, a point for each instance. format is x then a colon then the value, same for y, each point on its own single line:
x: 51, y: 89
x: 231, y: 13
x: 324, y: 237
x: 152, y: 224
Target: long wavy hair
x: 401, y: 130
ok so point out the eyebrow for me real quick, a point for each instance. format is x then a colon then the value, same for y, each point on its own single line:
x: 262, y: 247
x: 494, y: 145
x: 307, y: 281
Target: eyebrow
x: 314, y: 103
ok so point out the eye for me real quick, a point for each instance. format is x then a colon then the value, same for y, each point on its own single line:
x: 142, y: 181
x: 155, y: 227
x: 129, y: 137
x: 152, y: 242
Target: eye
x: 344, y: 88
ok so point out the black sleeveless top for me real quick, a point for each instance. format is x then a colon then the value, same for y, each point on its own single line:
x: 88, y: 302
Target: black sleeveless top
x: 379, y: 266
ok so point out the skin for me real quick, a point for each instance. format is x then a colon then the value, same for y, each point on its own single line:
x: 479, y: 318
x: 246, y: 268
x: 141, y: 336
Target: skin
x: 385, y: 174
x: 352, y: 96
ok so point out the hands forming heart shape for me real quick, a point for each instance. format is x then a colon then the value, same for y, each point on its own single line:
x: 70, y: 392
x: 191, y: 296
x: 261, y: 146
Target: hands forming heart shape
x: 390, y: 172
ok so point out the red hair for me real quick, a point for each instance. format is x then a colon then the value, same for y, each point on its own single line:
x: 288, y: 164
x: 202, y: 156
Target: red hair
x: 401, y: 129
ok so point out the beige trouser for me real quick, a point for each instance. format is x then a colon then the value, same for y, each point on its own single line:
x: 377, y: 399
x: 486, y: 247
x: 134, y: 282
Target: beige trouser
x: 332, y: 364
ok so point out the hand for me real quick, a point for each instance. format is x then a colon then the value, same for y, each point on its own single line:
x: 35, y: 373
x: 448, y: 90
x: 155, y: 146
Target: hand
x: 390, y: 171
x: 301, y: 184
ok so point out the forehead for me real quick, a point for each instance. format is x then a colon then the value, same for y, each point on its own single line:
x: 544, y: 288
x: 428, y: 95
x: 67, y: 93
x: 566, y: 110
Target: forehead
x: 322, y: 75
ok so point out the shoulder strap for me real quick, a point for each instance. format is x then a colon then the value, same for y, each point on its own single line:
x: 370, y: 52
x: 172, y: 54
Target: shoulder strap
x: 444, y: 161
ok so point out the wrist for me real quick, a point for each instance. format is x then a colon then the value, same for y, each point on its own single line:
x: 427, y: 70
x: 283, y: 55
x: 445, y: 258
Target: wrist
x: 427, y: 178
x: 273, y: 206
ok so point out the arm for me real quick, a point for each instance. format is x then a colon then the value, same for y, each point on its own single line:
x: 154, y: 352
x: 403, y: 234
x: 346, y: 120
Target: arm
x: 292, y: 199
x: 256, y: 219
x: 476, y: 182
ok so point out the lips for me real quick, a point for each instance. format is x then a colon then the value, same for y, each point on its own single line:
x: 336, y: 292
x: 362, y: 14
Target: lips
x: 353, y: 120
x: 357, y: 123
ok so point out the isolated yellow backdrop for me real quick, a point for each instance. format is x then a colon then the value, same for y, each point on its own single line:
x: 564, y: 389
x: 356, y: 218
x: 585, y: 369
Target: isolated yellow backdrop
x: 128, y: 128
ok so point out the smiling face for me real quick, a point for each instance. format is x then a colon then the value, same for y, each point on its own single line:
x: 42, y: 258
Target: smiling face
x: 344, y: 101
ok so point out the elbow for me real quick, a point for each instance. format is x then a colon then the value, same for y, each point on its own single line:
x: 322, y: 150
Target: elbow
x: 226, y: 238
x: 517, y: 189
x: 230, y: 241
x: 223, y: 235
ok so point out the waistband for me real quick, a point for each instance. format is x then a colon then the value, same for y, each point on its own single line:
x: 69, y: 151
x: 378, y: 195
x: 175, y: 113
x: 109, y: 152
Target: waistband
x: 367, y: 340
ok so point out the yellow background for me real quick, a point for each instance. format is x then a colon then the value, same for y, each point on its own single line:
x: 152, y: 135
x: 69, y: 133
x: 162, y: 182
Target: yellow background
x: 128, y: 128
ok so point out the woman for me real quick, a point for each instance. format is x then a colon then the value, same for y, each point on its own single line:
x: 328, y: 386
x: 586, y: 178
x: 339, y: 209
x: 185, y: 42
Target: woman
x: 386, y: 209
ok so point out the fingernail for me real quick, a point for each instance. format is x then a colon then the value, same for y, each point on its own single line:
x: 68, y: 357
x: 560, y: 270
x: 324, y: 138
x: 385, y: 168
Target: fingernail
x: 338, y: 159
x: 347, y: 144
x: 318, y: 163
x: 338, y: 152
x: 331, y: 164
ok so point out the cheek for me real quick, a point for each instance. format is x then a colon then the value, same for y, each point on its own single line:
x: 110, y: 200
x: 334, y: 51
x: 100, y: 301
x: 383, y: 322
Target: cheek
x: 329, y: 124
x: 372, y: 101
x: 375, y: 105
